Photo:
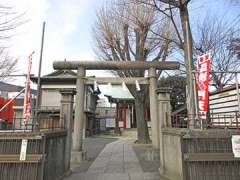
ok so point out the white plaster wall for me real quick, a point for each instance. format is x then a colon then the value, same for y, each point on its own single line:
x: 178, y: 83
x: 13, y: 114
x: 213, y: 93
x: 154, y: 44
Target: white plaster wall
x: 50, y: 97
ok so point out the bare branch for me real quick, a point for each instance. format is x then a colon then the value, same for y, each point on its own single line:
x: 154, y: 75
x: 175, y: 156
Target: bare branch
x: 216, y: 36
x: 130, y: 31
x: 9, y: 21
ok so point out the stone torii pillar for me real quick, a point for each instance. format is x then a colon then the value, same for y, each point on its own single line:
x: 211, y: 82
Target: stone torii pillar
x: 153, y: 107
x: 77, y: 148
x: 66, y: 120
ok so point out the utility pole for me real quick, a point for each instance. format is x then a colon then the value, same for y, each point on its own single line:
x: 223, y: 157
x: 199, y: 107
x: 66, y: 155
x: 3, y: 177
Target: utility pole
x: 191, y: 90
x: 192, y: 101
x: 35, y: 119
x: 188, y: 58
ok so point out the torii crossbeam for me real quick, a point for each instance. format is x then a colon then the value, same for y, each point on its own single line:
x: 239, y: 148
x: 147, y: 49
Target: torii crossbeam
x: 116, y: 65
x: 82, y: 66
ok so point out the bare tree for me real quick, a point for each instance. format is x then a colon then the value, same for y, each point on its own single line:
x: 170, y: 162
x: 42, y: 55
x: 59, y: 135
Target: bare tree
x: 235, y: 43
x: 126, y: 31
x: 219, y: 37
x: 7, y: 64
x: 9, y: 21
x: 176, y: 12
x: 235, y: 46
x: 234, y: 2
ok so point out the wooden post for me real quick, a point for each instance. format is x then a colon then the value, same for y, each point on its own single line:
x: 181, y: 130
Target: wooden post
x: 153, y: 106
x: 117, y: 116
x: 77, y: 149
x: 66, y: 119
x: 124, y: 117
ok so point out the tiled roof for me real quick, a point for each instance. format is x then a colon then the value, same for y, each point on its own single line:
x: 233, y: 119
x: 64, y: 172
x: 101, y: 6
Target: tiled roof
x: 58, y: 76
x: 13, y: 88
x: 228, y: 88
x: 116, y: 92
x: 61, y: 73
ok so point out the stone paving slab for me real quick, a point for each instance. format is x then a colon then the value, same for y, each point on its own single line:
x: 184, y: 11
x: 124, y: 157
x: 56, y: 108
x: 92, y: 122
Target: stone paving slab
x: 93, y: 146
x: 114, y: 176
x: 117, y: 161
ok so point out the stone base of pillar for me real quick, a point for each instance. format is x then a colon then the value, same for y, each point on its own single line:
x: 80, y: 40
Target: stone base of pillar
x: 78, y: 156
x: 160, y: 171
x: 162, y: 174
x: 68, y: 173
x: 152, y: 154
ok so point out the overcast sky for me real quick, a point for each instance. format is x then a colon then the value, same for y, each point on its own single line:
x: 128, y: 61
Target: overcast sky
x: 67, y: 34
x: 68, y: 29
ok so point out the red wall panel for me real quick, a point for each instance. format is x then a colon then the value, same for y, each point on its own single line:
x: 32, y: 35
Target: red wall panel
x: 7, y: 114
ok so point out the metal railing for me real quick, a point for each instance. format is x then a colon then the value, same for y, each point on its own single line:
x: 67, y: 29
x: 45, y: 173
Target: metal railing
x: 222, y: 121
x: 18, y: 124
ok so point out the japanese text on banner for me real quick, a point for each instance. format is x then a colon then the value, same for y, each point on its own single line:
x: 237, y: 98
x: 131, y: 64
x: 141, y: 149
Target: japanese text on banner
x: 203, y: 83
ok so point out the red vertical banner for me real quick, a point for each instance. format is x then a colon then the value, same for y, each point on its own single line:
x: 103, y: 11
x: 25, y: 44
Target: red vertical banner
x: 26, y: 107
x: 203, y: 84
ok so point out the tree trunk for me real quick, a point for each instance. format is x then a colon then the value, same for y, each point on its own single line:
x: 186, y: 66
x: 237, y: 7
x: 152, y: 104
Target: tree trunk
x: 142, y: 128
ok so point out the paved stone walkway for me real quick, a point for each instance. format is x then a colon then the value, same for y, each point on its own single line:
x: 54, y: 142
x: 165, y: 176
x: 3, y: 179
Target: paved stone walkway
x: 117, y: 161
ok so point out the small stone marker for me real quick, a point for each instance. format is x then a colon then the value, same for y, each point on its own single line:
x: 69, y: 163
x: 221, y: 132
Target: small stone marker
x: 23, y: 150
x: 236, y: 145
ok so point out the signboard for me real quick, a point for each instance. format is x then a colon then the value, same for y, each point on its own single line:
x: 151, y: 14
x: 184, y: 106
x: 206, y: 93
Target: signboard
x: 202, y: 84
x: 23, y: 152
x: 110, y: 122
x: 236, y: 145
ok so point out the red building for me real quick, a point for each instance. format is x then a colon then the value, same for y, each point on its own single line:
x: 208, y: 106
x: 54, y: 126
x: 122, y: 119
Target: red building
x: 125, y: 108
x: 7, y: 113
x: 14, y: 109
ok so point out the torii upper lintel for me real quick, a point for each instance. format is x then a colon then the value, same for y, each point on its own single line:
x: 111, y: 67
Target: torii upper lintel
x: 116, y: 65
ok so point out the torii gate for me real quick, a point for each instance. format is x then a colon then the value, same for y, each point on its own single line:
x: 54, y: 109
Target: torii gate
x: 82, y: 66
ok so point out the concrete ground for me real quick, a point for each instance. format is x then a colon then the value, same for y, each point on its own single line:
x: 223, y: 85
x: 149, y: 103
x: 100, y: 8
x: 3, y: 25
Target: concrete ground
x: 116, y: 161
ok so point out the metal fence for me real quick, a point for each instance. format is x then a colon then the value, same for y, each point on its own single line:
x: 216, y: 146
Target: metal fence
x: 44, y: 156
x: 18, y: 124
x: 222, y: 121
